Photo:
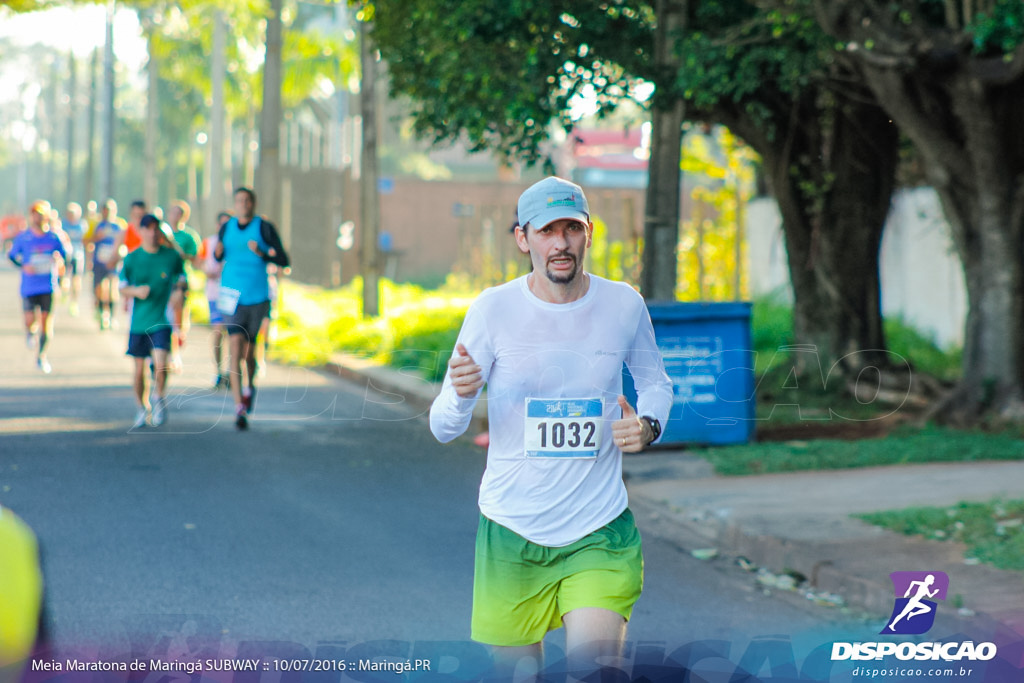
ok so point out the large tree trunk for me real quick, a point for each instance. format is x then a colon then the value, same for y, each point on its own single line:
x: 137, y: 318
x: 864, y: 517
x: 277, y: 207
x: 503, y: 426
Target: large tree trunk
x: 993, y: 367
x: 832, y: 169
x: 962, y: 112
x: 972, y: 163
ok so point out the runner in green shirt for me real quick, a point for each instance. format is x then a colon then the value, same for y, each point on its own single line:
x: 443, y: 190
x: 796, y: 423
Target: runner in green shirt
x: 152, y: 276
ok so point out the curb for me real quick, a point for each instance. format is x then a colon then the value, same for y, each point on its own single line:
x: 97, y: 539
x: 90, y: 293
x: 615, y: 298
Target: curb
x: 850, y: 562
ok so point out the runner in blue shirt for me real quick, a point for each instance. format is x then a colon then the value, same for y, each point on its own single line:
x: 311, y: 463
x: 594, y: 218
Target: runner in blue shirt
x: 75, y: 228
x: 40, y: 255
x: 247, y: 244
x: 105, y: 240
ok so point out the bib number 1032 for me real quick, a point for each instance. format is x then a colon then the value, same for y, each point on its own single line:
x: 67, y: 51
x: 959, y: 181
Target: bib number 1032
x: 563, y: 428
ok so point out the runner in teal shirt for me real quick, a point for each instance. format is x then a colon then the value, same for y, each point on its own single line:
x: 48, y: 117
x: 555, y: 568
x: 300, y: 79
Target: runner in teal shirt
x: 247, y: 244
x: 151, y: 275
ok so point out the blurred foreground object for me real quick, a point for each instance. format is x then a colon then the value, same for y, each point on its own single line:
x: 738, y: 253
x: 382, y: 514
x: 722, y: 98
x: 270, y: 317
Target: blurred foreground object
x: 21, y: 593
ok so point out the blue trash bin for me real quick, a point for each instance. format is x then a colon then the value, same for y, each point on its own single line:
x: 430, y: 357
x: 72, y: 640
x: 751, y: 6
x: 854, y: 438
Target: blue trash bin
x: 709, y: 356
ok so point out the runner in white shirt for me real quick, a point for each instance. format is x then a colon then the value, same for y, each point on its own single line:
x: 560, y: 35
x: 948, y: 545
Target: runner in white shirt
x: 557, y: 544
x: 212, y: 268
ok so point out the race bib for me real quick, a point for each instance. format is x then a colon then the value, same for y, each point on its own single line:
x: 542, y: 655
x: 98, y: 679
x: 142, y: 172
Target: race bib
x: 104, y: 253
x: 227, y: 300
x: 563, y: 428
x: 40, y: 263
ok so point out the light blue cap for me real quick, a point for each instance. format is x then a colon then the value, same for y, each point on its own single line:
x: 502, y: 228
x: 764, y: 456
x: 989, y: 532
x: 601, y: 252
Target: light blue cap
x: 551, y: 199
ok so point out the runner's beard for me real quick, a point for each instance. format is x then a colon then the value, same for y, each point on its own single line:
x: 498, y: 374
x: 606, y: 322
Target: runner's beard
x: 568, y: 277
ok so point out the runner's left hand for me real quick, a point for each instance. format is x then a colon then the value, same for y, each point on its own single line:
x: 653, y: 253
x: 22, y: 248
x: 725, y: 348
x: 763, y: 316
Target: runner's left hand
x: 630, y: 433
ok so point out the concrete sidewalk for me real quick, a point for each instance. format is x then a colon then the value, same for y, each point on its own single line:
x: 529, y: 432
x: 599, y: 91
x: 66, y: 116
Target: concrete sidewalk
x: 801, y: 523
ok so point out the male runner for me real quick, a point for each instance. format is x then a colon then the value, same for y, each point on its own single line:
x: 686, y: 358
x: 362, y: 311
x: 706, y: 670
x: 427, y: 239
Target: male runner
x: 105, y: 241
x: 557, y: 544
x: 75, y: 227
x: 92, y: 214
x: 40, y: 254
x: 247, y: 243
x: 132, y: 235
x: 188, y: 240
x: 151, y: 275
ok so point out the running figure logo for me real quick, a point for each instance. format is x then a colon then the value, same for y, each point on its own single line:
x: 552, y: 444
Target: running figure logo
x: 914, y: 612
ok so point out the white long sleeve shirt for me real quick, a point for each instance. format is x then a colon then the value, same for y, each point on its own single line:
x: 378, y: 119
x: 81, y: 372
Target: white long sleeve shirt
x: 554, y: 374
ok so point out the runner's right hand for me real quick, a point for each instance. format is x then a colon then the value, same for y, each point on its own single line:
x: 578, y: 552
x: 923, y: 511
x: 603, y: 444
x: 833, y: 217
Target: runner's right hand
x: 466, y: 376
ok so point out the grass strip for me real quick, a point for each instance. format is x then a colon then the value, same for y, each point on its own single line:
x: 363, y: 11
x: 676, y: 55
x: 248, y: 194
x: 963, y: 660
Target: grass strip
x: 904, y: 447
x: 993, y: 532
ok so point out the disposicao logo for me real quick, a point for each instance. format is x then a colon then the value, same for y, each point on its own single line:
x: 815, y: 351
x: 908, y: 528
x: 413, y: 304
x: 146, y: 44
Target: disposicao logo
x: 913, y: 613
x: 916, y: 593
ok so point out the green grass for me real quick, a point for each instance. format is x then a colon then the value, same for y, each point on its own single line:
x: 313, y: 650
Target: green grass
x: 772, y: 327
x: 993, y: 532
x: 923, y: 353
x: 417, y: 330
x: 905, y: 446
x: 787, y: 397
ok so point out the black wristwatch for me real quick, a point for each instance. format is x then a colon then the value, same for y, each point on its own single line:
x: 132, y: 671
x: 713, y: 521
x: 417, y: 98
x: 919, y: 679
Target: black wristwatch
x: 655, y: 428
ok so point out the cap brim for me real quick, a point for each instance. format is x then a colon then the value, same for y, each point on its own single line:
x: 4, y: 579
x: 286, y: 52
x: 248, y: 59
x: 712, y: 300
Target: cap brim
x: 559, y: 213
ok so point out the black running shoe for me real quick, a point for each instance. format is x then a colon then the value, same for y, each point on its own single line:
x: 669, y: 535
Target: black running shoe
x: 241, y: 419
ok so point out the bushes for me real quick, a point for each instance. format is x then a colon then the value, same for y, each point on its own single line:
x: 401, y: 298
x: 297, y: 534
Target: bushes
x: 772, y: 328
x: 417, y: 330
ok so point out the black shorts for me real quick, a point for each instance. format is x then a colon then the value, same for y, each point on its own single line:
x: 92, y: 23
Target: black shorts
x: 77, y: 263
x: 247, y: 320
x: 44, y: 302
x: 100, y: 273
x: 141, y: 344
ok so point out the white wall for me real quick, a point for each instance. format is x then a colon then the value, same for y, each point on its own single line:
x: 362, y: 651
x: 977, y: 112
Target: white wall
x: 922, y: 280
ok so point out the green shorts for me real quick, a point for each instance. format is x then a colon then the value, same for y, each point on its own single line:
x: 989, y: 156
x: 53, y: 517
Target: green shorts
x: 521, y: 589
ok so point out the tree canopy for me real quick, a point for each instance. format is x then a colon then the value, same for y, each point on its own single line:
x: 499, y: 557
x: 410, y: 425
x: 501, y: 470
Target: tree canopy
x: 498, y: 73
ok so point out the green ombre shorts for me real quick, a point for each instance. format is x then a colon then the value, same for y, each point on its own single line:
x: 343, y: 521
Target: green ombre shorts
x: 521, y: 589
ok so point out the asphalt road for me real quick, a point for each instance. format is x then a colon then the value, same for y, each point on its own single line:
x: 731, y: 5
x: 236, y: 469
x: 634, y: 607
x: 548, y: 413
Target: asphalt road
x: 335, y: 520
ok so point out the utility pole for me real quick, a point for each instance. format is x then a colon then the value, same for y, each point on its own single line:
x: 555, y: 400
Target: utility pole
x: 149, y: 188
x: 269, y: 176
x: 72, y: 110
x: 661, y: 215
x: 369, y: 199
x: 218, y: 71
x: 50, y: 120
x: 90, y: 132
x: 107, y: 177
